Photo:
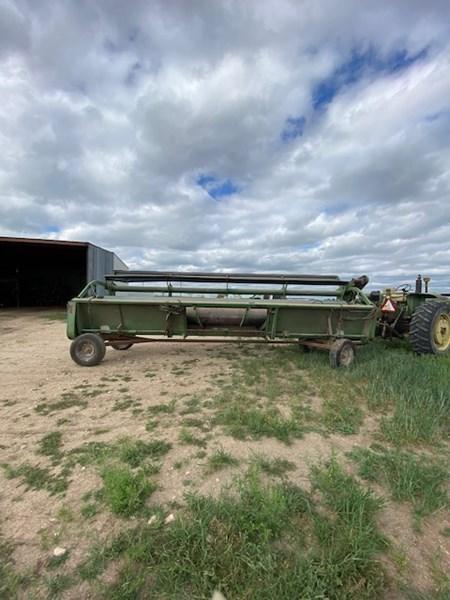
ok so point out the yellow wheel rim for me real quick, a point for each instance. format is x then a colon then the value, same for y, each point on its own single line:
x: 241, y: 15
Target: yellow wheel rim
x: 442, y: 331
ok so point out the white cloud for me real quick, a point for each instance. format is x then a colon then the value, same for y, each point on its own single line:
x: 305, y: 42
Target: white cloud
x: 110, y: 111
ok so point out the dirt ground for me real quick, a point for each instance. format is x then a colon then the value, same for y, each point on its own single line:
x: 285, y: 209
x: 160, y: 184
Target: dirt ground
x: 36, y: 370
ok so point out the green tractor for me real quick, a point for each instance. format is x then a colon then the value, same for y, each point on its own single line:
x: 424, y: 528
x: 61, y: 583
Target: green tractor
x: 420, y: 315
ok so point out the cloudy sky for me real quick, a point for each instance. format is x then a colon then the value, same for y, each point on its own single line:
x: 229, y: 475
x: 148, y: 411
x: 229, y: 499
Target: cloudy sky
x: 308, y: 136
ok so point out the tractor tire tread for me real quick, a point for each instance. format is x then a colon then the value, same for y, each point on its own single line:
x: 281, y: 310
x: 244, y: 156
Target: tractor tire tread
x: 420, y: 333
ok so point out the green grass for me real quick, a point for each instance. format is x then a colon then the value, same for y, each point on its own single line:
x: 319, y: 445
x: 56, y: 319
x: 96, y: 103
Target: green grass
x: 258, y: 541
x: 341, y: 416
x: 50, y: 445
x: 10, y: 580
x: 125, y: 491
x: 69, y: 400
x: 418, y: 479
x: 242, y: 423
x: 39, y: 478
x: 125, y: 449
x: 202, y: 424
x: 58, y: 584
x: 272, y: 466
x: 167, y: 408
x: 191, y: 405
x: 135, y: 452
x: 220, y: 459
x: 188, y: 438
x: 411, y: 391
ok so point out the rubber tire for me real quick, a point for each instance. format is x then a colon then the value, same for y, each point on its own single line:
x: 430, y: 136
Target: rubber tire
x: 342, y: 353
x: 98, y: 350
x: 121, y: 345
x: 422, y: 325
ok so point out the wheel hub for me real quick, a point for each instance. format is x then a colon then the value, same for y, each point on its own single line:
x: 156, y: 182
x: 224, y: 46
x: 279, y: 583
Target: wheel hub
x: 86, y: 350
x: 442, y: 332
x: 346, y: 357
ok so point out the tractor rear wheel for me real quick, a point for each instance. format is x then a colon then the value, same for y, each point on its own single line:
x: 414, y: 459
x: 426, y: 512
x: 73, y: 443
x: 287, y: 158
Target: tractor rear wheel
x: 342, y: 353
x: 429, y: 331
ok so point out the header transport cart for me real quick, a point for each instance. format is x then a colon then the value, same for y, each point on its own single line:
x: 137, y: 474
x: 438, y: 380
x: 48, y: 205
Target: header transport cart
x: 133, y: 307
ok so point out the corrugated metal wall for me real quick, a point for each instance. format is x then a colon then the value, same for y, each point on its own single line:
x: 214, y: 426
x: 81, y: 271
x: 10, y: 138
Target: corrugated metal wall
x: 99, y: 262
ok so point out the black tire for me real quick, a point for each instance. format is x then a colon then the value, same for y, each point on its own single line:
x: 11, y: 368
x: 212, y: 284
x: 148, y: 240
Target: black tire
x: 88, y: 349
x: 342, y: 353
x: 121, y: 345
x: 429, y: 332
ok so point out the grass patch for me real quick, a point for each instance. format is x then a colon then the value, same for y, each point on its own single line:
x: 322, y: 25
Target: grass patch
x: 124, y: 491
x: 343, y: 417
x: 50, y: 445
x: 38, y: 478
x: 220, y: 459
x: 187, y: 437
x: 260, y: 541
x: 58, y: 584
x: 409, y: 477
x: 190, y: 406
x: 273, y: 466
x: 69, y: 400
x: 136, y: 452
x: 391, y: 379
x: 242, y: 423
x: 10, y: 580
x: 167, y: 408
x: 129, y: 451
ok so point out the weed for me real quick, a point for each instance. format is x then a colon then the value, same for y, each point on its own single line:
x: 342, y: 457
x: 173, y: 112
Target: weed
x: 125, y: 492
x: 220, y: 459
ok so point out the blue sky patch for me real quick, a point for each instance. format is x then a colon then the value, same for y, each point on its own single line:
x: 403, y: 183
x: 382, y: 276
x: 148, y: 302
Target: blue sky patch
x: 359, y: 65
x: 293, y: 128
x: 215, y: 187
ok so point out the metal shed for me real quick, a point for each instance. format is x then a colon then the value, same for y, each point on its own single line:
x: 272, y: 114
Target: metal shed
x: 41, y: 272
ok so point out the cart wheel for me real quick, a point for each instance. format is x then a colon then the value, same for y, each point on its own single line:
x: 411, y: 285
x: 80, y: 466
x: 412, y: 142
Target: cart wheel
x: 342, y: 353
x: 121, y: 345
x: 87, y: 349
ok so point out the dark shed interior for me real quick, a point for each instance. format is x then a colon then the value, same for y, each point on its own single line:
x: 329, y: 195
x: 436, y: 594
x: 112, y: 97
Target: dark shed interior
x: 40, y: 272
